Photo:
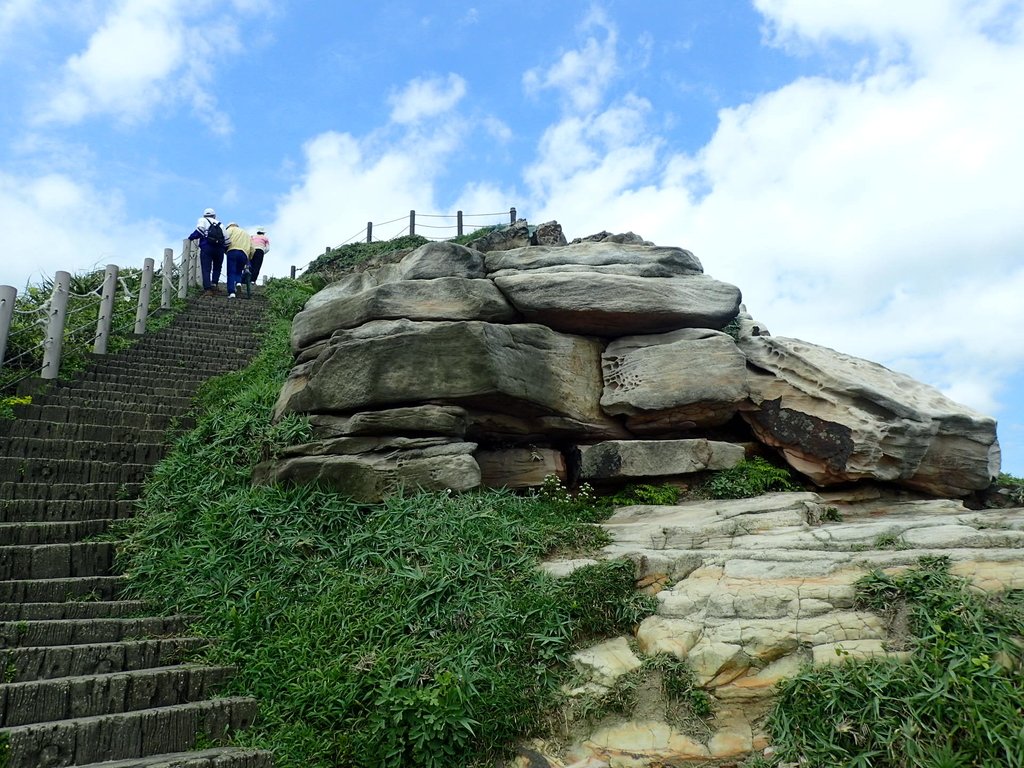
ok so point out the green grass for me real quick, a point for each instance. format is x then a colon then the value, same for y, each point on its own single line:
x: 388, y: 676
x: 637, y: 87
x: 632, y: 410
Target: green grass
x: 956, y: 702
x: 417, y: 632
x: 749, y: 478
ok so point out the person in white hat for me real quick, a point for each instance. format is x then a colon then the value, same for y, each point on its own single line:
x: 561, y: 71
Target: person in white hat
x: 211, y: 239
x: 260, y: 248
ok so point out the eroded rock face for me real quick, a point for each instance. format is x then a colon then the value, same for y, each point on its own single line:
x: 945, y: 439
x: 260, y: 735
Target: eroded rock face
x: 607, y: 351
x: 838, y: 419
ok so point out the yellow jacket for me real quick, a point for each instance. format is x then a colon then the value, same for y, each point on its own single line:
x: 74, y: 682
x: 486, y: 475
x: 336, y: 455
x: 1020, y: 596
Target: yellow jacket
x: 238, y: 240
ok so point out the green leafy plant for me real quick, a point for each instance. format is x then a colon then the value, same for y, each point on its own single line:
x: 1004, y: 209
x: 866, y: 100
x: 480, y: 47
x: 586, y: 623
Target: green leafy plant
x: 955, y: 701
x: 645, y: 494
x: 751, y: 477
x: 347, y: 256
x: 7, y: 404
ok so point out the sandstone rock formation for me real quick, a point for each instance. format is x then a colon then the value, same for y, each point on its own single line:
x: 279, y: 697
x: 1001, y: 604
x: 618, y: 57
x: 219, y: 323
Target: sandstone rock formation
x: 600, y: 360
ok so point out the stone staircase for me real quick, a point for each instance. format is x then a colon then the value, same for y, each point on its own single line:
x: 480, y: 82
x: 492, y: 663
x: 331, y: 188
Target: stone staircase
x: 86, y: 678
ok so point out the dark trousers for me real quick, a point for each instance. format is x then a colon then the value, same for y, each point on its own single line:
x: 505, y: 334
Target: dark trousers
x: 206, y: 262
x: 236, y: 263
x: 255, y: 263
x: 218, y: 262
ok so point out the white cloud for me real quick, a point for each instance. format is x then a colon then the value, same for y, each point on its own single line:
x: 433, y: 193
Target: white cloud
x: 581, y: 75
x: 82, y: 227
x: 878, y: 215
x: 426, y: 98
x: 145, y: 55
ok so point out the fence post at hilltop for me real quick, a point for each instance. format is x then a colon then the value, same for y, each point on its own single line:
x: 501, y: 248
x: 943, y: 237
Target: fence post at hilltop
x: 458, y: 223
x: 184, y: 272
x: 412, y: 222
x: 168, y: 274
x: 54, y: 343
x: 144, y: 291
x: 8, y: 297
x: 369, y: 231
x: 106, y: 317
x: 194, y: 271
x: 511, y: 215
x: 293, y: 271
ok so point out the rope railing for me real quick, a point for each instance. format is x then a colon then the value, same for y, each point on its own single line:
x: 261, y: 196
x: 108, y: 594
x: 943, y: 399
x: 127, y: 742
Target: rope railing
x: 41, y: 338
x: 410, y: 228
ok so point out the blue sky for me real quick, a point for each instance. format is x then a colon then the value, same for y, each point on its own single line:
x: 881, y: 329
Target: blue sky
x: 853, y: 166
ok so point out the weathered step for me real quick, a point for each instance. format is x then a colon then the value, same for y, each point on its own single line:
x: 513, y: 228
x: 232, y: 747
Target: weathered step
x: 156, y: 418
x: 23, y: 533
x: 22, y: 634
x: 61, y: 590
x: 125, y: 735
x: 62, y: 510
x: 72, y: 610
x: 219, y: 757
x: 56, y: 561
x: 202, y: 370
x: 124, y: 401
x: 95, y: 389
x: 85, y: 450
x: 46, y: 662
x: 45, y: 470
x: 51, y: 430
x: 71, y: 491
x: 64, y: 698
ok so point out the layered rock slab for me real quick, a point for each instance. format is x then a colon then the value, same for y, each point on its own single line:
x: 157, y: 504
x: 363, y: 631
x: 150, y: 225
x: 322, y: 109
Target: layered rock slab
x: 838, y: 419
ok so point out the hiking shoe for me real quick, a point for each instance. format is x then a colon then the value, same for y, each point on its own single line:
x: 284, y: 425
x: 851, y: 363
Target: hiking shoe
x: 231, y: 295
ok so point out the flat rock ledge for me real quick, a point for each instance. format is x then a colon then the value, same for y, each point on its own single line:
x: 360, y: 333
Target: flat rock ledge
x: 749, y: 591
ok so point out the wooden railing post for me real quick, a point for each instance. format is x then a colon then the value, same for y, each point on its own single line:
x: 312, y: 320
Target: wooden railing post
x: 144, y: 292
x: 458, y: 223
x: 166, y: 283
x: 195, y: 269
x: 54, y: 342
x: 511, y: 215
x: 412, y: 222
x: 184, y: 271
x: 293, y: 272
x: 106, y: 317
x: 369, y: 231
x: 8, y: 297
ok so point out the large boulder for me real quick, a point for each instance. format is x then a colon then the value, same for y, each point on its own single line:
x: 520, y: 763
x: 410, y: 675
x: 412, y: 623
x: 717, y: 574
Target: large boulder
x: 525, y: 370
x: 516, y: 235
x: 601, y: 257
x: 596, y: 304
x: 442, y: 298
x: 629, y: 459
x: 673, y: 381
x: 838, y: 418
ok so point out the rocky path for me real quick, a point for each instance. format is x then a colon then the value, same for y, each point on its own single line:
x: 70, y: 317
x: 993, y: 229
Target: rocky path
x: 87, y: 677
x: 750, y: 590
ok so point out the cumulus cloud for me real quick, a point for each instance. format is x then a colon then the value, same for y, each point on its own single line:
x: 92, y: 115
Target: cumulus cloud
x: 581, y: 75
x: 76, y: 219
x: 876, y: 214
x: 421, y: 99
x: 144, y: 54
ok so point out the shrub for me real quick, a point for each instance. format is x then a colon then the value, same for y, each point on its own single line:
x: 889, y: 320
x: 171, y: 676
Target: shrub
x: 751, y: 477
x: 645, y: 494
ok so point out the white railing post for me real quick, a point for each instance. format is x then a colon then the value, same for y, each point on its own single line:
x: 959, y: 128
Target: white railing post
x: 195, y: 270
x: 184, y: 272
x: 54, y: 343
x: 167, y: 281
x: 106, y: 316
x: 8, y: 297
x: 147, y: 288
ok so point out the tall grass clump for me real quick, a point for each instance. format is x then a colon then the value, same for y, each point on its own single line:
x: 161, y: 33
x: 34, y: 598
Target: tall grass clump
x: 955, y: 702
x: 416, y: 632
x: 749, y: 478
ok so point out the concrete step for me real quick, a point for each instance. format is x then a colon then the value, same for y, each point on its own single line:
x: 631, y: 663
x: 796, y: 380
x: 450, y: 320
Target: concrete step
x: 220, y: 757
x: 46, y: 470
x: 64, y: 698
x: 23, y: 634
x: 56, y: 561
x: 155, y: 418
x: 46, y: 662
x: 71, y: 491
x: 86, y: 450
x: 119, y: 609
x: 50, y: 430
x: 61, y: 590
x: 68, y: 511
x: 120, y: 400
x: 125, y: 735
x: 24, y: 533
